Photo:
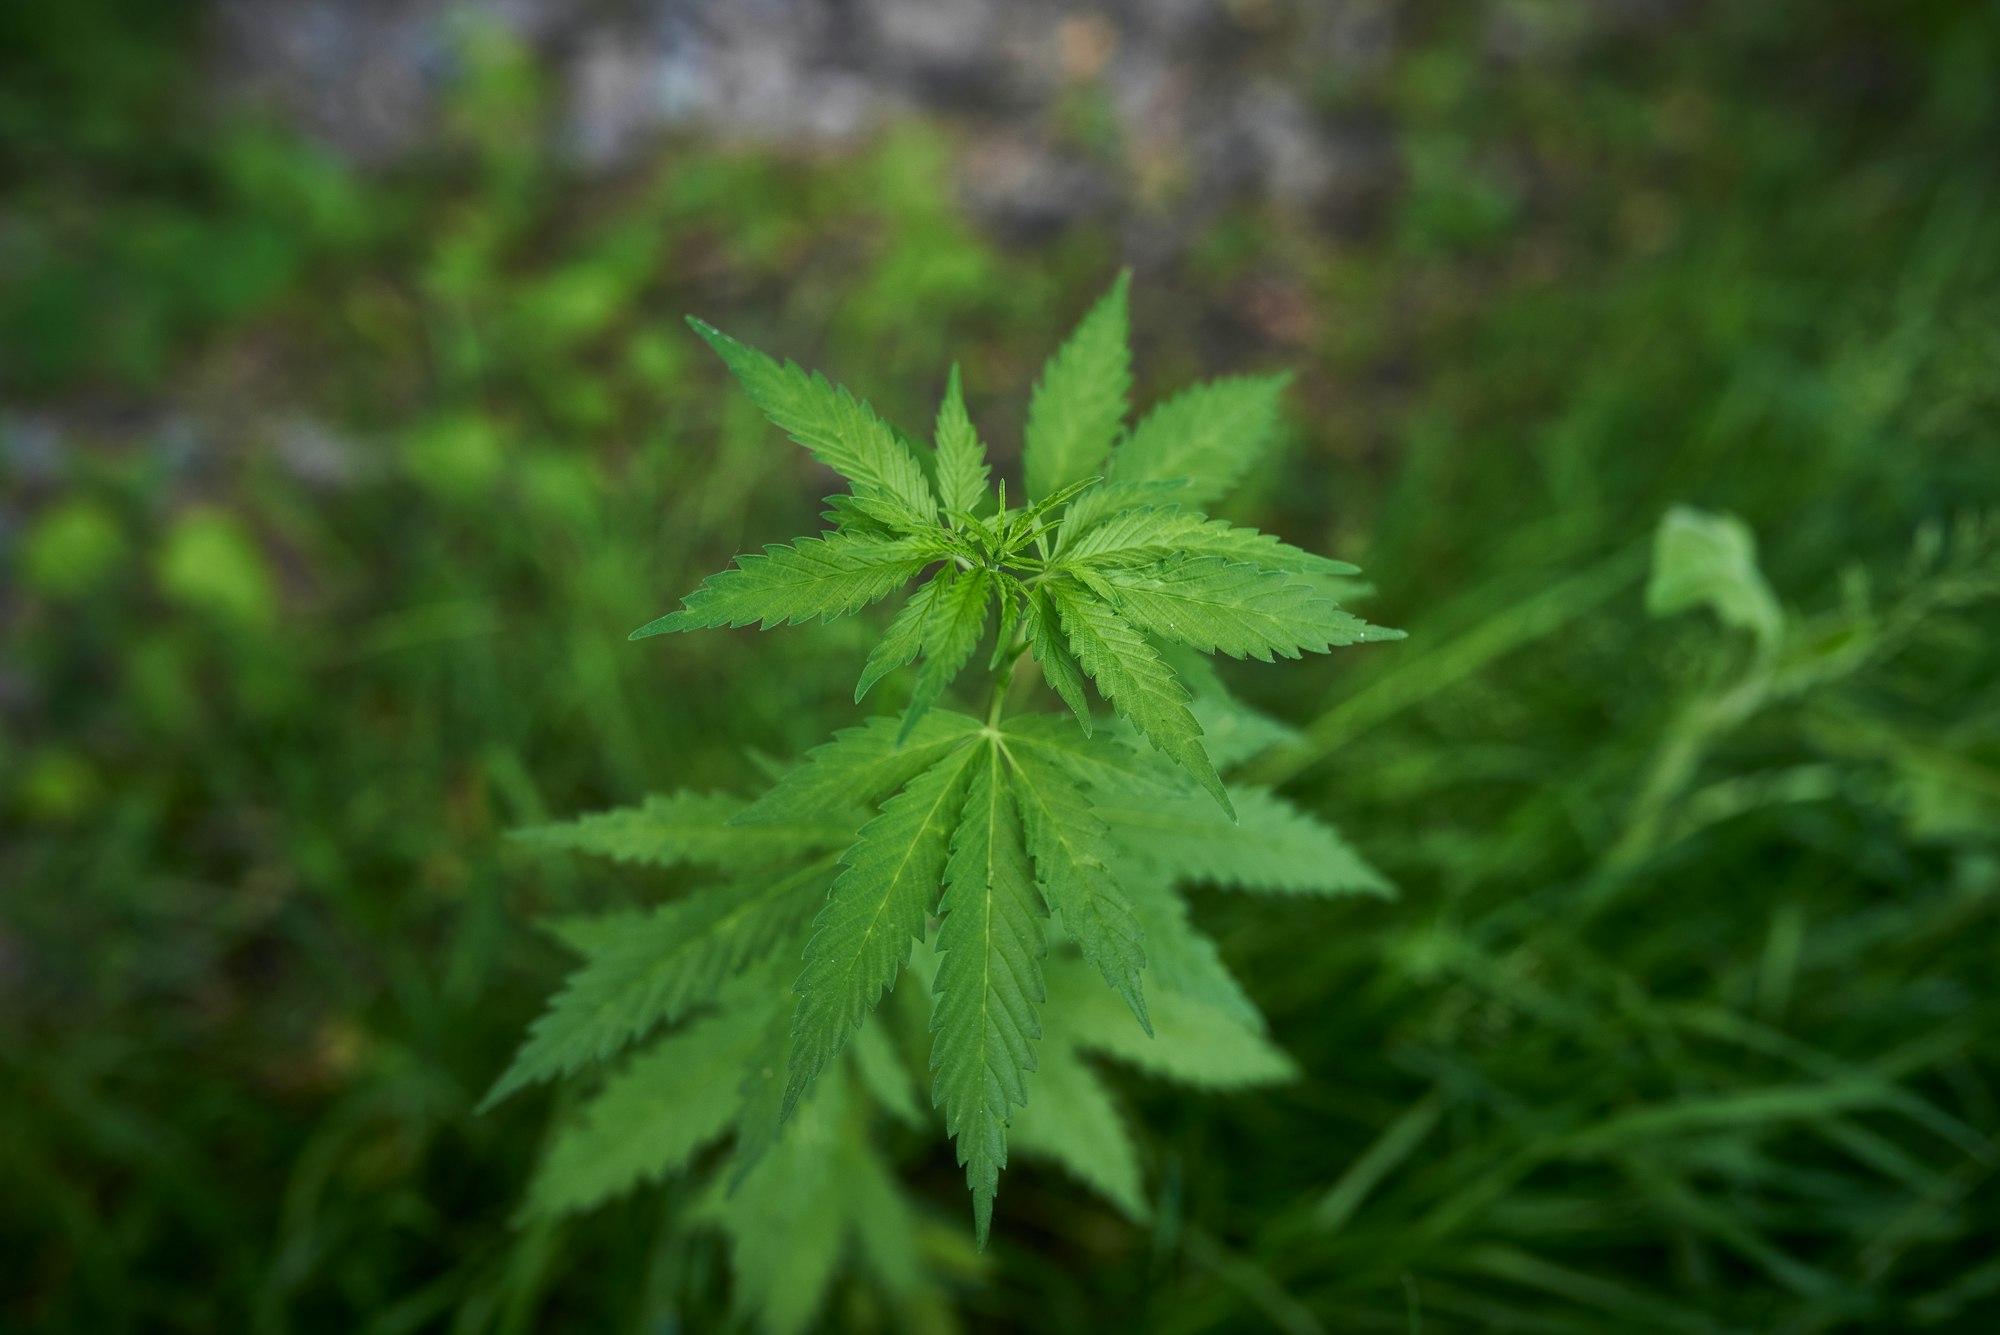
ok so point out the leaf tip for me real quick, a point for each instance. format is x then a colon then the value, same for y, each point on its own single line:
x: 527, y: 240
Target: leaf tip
x: 1137, y: 1001
x: 503, y: 1088
x: 794, y: 1090
x: 982, y: 1218
x: 1221, y: 796
x: 657, y: 626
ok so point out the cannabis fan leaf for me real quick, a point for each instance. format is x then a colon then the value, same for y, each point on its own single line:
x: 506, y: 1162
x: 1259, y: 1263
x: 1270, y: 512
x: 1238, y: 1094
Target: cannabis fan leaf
x: 1040, y: 855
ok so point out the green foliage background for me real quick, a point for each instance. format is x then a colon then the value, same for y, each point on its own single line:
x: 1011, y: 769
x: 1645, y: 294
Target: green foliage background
x: 329, y: 495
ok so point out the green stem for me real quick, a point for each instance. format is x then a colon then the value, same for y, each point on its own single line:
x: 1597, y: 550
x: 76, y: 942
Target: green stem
x: 1003, y: 677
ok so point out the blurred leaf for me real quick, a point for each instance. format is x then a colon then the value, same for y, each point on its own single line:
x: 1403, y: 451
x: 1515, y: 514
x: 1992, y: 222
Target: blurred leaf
x: 72, y: 548
x: 210, y: 563
x: 1710, y: 560
x: 456, y: 457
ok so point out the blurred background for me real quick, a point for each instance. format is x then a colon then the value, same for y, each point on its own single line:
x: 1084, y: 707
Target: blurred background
x: 347, y: 424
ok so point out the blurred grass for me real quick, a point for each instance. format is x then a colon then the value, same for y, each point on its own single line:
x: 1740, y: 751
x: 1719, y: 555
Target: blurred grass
x: 328, y: 498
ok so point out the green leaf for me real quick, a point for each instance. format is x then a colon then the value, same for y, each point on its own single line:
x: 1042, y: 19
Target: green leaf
x: 1208, y: 435
x: 1234, y: 732
x: 762, y: 1088
x: 1073, y: 851
x: 1155, y: 533
x: 1703, y: 559
x: 884, y: 1075
x: 1079, y: 403
x: 823, y: 1192
x: 1180, y: 958
x: 989, y: 984
x: 878, y: 906
x: 676, y: 958
x: 1059, y: 666
x: 881, y: 1221
x: 845, y: 512
x: 1074, y: 1122
x: 651, y: 1117
x: 1214, y: 605
x: 1272, y: 846
x: 1031, y: 521
x: 841, y: 432
x: 866, y: 516
x: 787, y: 1219
x: 951, y: 632
x: 902, y: 642
x: 1132, y: 677
x: 211, y: 563
x: 1010, y: 594
x: 587, y: 933
x: 822, y: 577
x: 961, y: 459
x: 1193, y: 1043
x: 668, y: 830
x: 1103, y: 761
x: 858, y: 768
x: 1109, y: 499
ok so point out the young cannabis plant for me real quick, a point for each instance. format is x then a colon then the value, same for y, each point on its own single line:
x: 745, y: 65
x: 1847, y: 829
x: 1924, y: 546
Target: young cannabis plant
x: 980, y: 830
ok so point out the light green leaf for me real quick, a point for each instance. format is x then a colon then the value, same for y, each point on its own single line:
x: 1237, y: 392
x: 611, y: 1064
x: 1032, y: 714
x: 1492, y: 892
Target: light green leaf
x: 1073, y: 851
x: 868, y: 516
x: 1235, y: 732
x: 1272, y: 846
x: 883, y: 1074
x: 1156, y: 533
x: 1192, y: 1043
x: 211, y: 563
x: 989, y: 984
x: 961, y: 459
x: 676, y: 958
x: 881, y: 1220
x: 842, y: 433
x: 1703, y: 559
x: 75, y: 545
x: 1010, y: 594
x: 902, y: 642
x: 878, y: 906
x: 824, y: 577
x: 668, y: 830
x: 951, y: 632
x: 787, y: 1219
x: 1059, y: 665
x: 1107, y: 500
x: 1214, y: 605
x: 1209, y: 435
x: 858, y: 768
x: 763, y: 1085
x: 651, y: 1117
x: 1179, y: 958
x: 1103, y: 761
x: 587, y: 933
x: 1035, y: 519
x: 1079, y: 403
x: 1132, y: 677
x: 1232, y: 731
x: 1074, y: 1122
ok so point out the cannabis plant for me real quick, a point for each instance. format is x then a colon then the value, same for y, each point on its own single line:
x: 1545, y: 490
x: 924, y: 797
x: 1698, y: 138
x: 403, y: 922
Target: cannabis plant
x: 1031, y: 850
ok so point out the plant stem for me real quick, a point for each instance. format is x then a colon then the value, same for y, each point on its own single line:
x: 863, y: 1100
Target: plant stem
x: 1003, y: 677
